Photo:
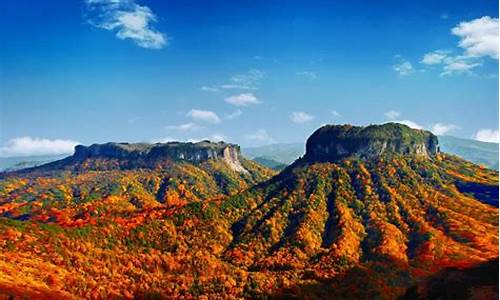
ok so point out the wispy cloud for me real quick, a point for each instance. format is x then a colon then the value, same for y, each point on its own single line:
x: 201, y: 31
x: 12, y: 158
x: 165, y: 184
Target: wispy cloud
x: 336, y: 114
x: 409, y: 123
x: 403, y: 67
x: 183, y: 127
x: 243, y: 81
x: 260, y: 136
x: 165, y: 139
x: 203, y: 115
x: 26, y: 146
x: 435, y: 57
x: 451, y: 64
x: 478, y: 38
x: 209, y: 89
x: 249, y: 78
x: 437, y: 128
x: 392, y: 114
x: 242, y: 99
x: 307, y: 74
x: 218, y: 137
x: 487, y: 135
x: 442, y: 129
x: 300, y: 117
x: 128, y: 20
x: 459, y: 65
x: 235, y: 114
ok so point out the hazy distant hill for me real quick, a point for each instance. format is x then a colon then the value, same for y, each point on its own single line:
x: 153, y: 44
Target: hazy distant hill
x: 21, y: 162
x: 471, y: 150
x: 283, y: 153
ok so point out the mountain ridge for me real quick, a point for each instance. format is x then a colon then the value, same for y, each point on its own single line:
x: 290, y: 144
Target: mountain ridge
x: 352, y: 226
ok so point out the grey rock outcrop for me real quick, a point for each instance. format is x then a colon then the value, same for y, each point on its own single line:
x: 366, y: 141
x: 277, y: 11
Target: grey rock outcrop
x: 335, y: 142
x: 143, y: 155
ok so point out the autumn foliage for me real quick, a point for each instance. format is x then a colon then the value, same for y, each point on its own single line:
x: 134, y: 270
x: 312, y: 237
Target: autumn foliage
x: 352, y: 229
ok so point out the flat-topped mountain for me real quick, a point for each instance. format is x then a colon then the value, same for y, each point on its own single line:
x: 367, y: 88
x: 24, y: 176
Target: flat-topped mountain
x: 194, y: 152
x: 143, y: 155
x: 335, y: 142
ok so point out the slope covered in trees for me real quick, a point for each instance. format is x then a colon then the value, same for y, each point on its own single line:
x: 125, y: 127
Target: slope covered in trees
x: 326, y: 227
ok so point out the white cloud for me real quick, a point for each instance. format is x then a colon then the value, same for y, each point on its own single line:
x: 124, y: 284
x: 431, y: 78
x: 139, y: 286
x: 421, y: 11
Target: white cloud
x: 478, y: 37
x: 408, y: 123
x: 128, y: 19
x: 301, y: 117
x: 237, y: 86
x: 27, y: 146
x: 183, y: 127
x: 203, y: 115
x: 451, y: 64
x: 487, y: 135
x: 392, y: 114
x: 261, y: 136
x: 442, y: 129
x: 242, y: 99
x: 209, y: 89
x: 403, y: 67
x: 437, y: 128
x: 235, y: 114
x: 444, y: 16
x: 218, y: 137
x: 458, y: 65
x: 163, y: 140
x: 307, y: 74
x: 336, y: 114
x: 244, y: 81
x: 435, y: 57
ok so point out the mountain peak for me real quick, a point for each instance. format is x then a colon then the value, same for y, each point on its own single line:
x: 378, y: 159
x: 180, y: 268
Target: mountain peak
x: 193, y: 152
x: 143, y: 155
x: 335, y: 142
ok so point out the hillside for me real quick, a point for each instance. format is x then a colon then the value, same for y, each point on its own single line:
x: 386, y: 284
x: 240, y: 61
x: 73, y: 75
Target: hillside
x: 367, y: 213
x: 127, y: 177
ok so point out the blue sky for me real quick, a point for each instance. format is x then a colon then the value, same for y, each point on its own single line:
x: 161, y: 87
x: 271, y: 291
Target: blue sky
x: 248, y: 72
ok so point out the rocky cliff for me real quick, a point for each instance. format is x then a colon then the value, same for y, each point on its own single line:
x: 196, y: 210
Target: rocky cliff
x: 335, y: 142
x: 154, y: 153
x: 143, y: 155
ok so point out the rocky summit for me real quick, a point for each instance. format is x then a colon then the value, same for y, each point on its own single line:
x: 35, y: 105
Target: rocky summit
x: 332, y: 143
x: 143, y: 155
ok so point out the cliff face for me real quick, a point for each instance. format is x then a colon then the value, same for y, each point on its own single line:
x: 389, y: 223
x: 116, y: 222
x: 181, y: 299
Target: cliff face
x: 131, y: 155
x: 335, y: 142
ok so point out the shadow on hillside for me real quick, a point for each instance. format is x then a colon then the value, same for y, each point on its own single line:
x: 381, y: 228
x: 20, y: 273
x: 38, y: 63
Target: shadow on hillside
x: 485, y: 193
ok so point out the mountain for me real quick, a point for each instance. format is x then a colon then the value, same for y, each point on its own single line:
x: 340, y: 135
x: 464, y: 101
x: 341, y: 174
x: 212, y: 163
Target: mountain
x: 373, y: 212
x: 481, y: 153
x: 135, y: 176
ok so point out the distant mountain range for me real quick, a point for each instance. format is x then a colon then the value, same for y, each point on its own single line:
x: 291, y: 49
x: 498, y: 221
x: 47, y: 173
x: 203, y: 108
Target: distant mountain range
x: 481, y: 153
x: 22, y: 162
